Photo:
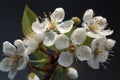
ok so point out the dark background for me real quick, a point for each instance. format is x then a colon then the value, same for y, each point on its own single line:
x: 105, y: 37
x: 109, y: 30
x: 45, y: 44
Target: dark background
x: 11, y: 12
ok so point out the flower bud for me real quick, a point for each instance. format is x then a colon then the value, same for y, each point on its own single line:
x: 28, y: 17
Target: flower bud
x: 33, y: 76
x: 72, y: 73
x: 76, y: 20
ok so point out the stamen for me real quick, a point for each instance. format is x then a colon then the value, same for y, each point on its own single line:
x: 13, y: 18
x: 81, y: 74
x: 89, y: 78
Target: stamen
x: 42, y: 19
x: 103, y: 66
x: 109, y: 59
x: 112, y: 55
x: 45, y: 15
x: 107, y: 62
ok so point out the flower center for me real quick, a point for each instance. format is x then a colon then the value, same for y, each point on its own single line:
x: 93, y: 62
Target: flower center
x: 72, y: 48
x: 15, y: 58
x: 96, y: 51
x: 94, y: 26
x: 52, y: 25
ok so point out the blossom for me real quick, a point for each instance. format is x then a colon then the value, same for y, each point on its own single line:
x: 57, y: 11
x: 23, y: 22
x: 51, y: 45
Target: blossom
x: 52, y: 24
x: 82, y: 52
x: 100, y: 51
x: 72, y: 73
x: 95, y: 26
x: 15, y: 58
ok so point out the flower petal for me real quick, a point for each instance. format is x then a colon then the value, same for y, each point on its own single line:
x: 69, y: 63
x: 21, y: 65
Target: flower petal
x: 93, y: 63
x: 102, y: 56
x: 110, y: 43
x: 5, y: 64
x: 12, y: 72
x: 58, y: 15
x: 8, y: 48
x: 49, y: 38
x: 65, y: 59
x: 83, y: 53
x: 23, y: 62
x: 106, y: 32
x: 20, y: 47
x: 88, y: 15
x: 65, y: 26
x: 94, y: 35
x: 38, y: 27
x: 61, y: 42
x: 78, y: 36
x: 98, y: 43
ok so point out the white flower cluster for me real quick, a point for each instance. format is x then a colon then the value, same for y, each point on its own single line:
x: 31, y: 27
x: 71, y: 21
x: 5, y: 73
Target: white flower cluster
x: 53, y: 32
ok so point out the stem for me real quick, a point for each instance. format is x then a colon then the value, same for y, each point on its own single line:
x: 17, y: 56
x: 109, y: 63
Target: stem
x: 40, y: 69
x: 48, y: 53
x: 48, y: 75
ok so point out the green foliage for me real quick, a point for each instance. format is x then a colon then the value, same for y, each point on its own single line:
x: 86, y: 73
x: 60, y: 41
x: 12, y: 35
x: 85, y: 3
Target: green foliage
x: 28, y: 18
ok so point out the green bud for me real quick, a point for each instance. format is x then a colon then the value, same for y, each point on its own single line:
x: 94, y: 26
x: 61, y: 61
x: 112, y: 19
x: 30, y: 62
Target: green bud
x: 76, y: 20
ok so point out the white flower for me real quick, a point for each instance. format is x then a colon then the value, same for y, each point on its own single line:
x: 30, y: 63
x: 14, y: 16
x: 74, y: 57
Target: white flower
x: 72, y: 73
x: 95, y: 25
x: 15, y: 58
x: 51, y: 24
x: 82, y: 52
x: 100, y: 51
x: 33, y: 76
x: 54, y: 23
x: 32, y: 42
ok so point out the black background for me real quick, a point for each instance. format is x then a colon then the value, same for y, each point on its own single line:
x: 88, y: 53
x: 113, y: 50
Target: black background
x: 11, y: 12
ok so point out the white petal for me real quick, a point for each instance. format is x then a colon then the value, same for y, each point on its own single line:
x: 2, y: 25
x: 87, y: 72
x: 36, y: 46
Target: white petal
x: 102, y: 56
x: 39, y: 37
x: 93, y: 63
x: 38, y: 27
x: 78, y: 36
x: 98, y: 43
x: 85, y: 26
x: 31, y: 44
x: 72, y: 73
x: 65, y: 26
x: 88, y: 15
x: 107, y: 32
x: 58, y: 15
x: 49, y: 38
x: 61, y: 42
x: 110, y: 43
x: 94, y: 35
x: 65, y: 59
x: 12, y: 73
x: 23, y: 62
x: 8, y: 48
x: 5, y: 64
x: 20, y: 47
x: 83, y: 53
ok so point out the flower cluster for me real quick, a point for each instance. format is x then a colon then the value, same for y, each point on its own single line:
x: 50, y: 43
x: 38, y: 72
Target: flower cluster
x: 56, y: 44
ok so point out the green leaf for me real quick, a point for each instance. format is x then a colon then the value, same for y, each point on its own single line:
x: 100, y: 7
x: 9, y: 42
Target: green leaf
x: 28, y: 18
